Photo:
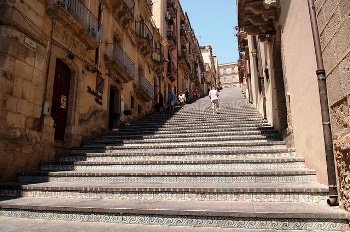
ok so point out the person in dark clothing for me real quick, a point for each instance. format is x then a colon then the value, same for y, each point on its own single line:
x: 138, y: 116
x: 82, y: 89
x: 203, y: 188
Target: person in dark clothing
x: 187, y: 95
x: 160, y: 103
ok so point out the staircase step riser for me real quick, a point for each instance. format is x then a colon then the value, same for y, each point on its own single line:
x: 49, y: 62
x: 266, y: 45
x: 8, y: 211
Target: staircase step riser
x: 172, y: 195
x: 155, y: 146
x: 266, y: 134
x: 170, y: 179
x: 172, y: 167
x: 110, y: 148
x: 183, y: 139
x: 191, y: 131
x: 154, y: 218
x: 197, y: 128
x: 106, y: 157
x: 196, y: 124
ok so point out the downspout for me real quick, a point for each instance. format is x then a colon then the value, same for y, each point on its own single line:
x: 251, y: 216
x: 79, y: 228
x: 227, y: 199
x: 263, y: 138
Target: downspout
x: 327, y: 133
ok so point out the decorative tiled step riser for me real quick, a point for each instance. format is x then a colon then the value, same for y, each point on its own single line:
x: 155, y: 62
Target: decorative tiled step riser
x: 196, y: 114
x: 168, y: 179
x: 112, y: 140
x: 299, y: 197
x: 201, y: 123
x: 196, y: 128
x: 165, y: 134
x: 162, y: 167
x: 108, y: 157
x: 152, y: 131
x: 248, y: 223
x: 203, y: 144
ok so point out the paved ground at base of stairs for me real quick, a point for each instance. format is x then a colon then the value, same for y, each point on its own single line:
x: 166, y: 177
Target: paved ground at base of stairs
x: 8, y: 224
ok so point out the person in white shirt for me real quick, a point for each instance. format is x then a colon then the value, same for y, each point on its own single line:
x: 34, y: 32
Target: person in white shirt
x: 214, y: 98
x: 182, y: 99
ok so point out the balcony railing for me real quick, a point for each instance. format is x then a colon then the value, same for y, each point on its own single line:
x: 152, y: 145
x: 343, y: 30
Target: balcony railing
x: 144, y: 89
x: 171, y: 39
x: 121, y: 63
x: 144, y: 32
x: 149, y: 5
x: 145, y: 37
x: 76, y: 13
x: 123, y: 11
x: 131, y: 5
x: 157, y: 55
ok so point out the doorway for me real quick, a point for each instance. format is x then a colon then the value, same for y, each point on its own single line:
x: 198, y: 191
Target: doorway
x: 114, y: 107
x: 60, y: 98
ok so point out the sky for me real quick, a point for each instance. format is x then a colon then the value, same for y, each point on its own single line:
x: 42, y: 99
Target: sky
x: 213, y: 22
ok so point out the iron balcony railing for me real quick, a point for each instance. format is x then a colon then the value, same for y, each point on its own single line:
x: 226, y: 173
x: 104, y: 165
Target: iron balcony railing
x: 143, y: 31
x: 143, y: 83
x: 157, y: 55
x: 118, y: 55
x: 131, y: 5
x: 82, y: 14
x: 149, y: 5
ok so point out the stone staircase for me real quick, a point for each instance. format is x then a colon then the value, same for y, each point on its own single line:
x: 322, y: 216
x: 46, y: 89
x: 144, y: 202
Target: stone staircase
x: 192, y: 169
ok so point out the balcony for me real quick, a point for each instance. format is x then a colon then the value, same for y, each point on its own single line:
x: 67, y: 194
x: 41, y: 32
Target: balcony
x: 119, y: 64
x: 158, y: 59
x: 171, y: 8
x: 73, y: 14
x: 183, y: 63
x: 172, y: 72
x: 171, y: 40
x: 123, y: 11
x: 144, y: 38
x: 149, y: 6
x: 183, y: 36
x: 257, y: 16
x: 143, y: 89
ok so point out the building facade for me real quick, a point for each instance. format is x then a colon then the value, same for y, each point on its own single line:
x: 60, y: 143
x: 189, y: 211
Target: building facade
x: 211, y: 64
x: 277, y: 69
x: 228, y: 73
x: 72, y: 70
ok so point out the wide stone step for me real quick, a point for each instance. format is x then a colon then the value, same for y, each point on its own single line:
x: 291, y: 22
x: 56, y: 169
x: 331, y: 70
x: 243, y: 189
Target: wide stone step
x: 176, y: 154
x: 190, y: 126
x: 179, y: 138
x: 190, y: 132
x: 167, y: 134
x: 220, y: 164
x: 204, y: 121
x: 168, y: 176
x: 234, y: 215
x: 235, y: 134
x: 189, y: 144
x: 310, y: 192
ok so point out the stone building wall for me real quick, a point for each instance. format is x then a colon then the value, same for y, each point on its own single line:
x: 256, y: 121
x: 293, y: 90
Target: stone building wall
x: 26, y: 136
x: 334, y: 27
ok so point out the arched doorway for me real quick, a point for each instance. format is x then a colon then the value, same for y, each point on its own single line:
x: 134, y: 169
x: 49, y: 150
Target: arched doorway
x: 60, y: 98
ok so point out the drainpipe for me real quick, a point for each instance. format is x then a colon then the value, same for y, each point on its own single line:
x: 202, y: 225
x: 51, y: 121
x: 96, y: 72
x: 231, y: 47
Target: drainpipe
x: 327, y: 133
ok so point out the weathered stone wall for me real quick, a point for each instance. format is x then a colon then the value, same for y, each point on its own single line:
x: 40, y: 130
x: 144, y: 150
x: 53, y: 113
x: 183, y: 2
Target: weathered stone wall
x: 334, y: 26
x: 26, y: 136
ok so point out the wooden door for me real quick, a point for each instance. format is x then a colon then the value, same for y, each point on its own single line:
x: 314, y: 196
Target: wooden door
x: 60, y: 98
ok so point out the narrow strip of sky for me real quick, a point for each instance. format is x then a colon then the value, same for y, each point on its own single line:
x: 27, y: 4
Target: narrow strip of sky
x: 213, y: 22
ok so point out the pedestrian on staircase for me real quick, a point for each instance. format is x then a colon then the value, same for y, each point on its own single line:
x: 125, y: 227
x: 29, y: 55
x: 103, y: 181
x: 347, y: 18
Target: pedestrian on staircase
x: 182, y: 99
x: 172, y: 101
x: 214, y: 99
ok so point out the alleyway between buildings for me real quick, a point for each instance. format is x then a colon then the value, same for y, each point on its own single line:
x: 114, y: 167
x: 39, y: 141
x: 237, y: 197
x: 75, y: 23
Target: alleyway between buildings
x: 187, y: 171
